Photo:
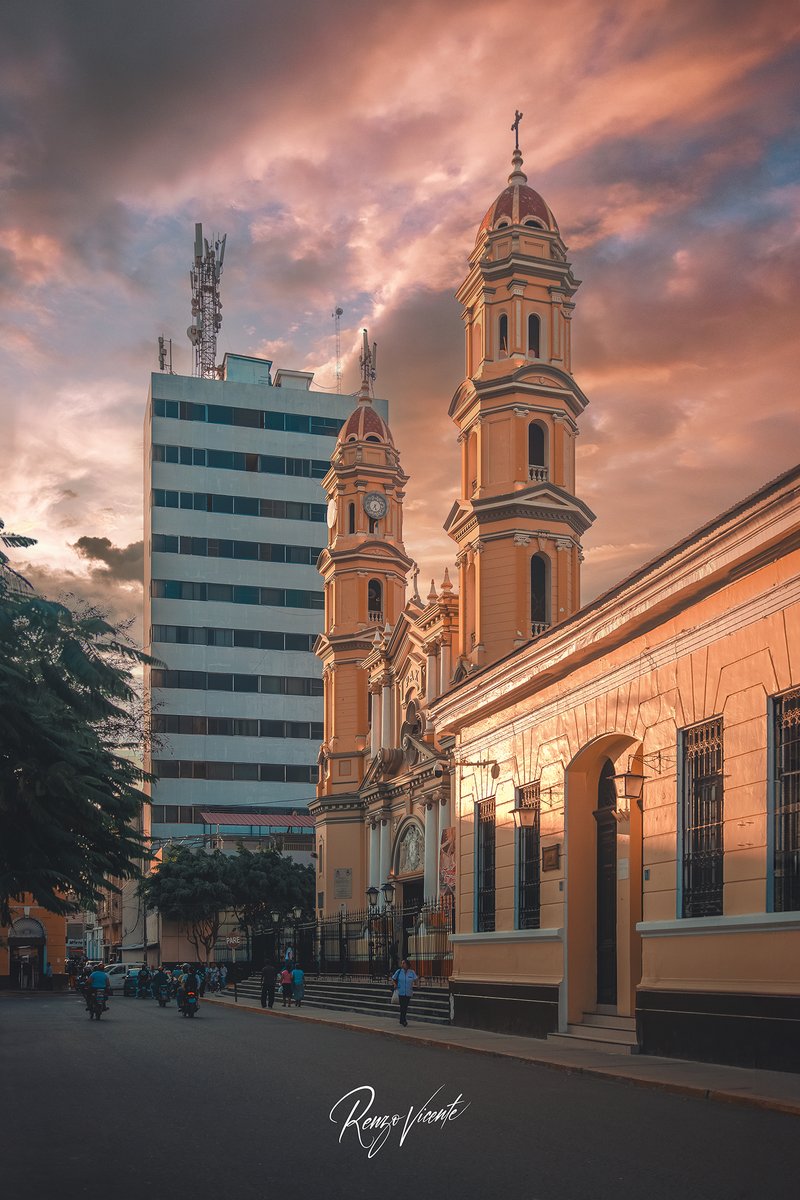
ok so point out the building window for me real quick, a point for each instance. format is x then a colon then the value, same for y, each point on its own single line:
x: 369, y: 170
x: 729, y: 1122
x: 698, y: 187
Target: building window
x: 540, y: 606
x: 534, y: 334
x: 528, y: 875
x: 702, y: 811
x: 375, y: 601
x: 351, y: 518
x: 537, y: 453
x: 484, y: 882
x: 786, y: 791
x: 502, y: 336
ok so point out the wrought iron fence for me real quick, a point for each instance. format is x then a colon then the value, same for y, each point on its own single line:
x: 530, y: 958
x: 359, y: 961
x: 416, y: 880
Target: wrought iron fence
x: 370, y: 943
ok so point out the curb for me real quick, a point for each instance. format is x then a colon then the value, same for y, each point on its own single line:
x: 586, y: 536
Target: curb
x: 719, y: 1095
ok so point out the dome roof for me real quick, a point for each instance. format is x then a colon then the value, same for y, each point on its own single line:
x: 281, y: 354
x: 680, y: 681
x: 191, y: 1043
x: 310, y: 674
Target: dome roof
x: 365, y: 425
x: 518, y: 203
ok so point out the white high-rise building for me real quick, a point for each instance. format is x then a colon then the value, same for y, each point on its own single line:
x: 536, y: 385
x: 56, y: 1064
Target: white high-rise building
x: 234, y: 524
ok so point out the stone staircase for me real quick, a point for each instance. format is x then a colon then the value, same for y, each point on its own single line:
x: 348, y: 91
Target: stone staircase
x: 430, y: 1004
x: 605, y: 1032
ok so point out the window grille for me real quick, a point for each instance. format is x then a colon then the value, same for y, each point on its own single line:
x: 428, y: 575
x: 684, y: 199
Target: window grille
x: 786, y: 896
x: 528, y: 867
x: 485, y: 812
x: 702, y: 820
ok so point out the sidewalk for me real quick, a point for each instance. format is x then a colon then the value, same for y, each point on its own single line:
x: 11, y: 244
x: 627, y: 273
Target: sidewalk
x: 773, y: 1090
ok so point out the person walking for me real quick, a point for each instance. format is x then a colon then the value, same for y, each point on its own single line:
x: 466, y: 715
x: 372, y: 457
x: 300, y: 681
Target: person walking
x: 298, y: 985
x: 268, y: 979
x: 286, y: 987
x: 223, y: 977
x: 404, y: 980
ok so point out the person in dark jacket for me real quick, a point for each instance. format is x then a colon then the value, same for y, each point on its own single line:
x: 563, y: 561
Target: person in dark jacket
x: 268, y: 979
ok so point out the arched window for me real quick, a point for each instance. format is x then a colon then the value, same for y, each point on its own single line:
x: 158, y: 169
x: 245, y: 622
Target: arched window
x: 534, y: 333
x: 502, y: 336
x: 375, y: 601
x: 351, y: 518
x: 537, y: 452
x: 540, y: 599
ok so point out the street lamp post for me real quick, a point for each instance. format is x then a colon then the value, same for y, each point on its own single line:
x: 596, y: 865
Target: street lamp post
x: 388, y: 912
x: 276, y: 916
x: 297, y: 913
x: 372, y: 901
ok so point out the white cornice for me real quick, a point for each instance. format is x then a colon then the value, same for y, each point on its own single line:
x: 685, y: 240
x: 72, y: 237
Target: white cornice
x: 679, y: 579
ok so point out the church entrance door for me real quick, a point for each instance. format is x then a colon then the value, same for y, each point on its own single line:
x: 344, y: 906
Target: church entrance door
x: 411, y: 903
x: 606, y: 887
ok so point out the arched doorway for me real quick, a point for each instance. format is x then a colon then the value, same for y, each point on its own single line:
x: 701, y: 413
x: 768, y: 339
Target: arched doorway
x: 408, y: 863
x: 603, y: 865
x: 27, y: 941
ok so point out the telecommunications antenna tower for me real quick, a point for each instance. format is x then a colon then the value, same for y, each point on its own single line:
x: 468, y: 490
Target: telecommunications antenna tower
x: 206, y: 304
x: 336, y: 314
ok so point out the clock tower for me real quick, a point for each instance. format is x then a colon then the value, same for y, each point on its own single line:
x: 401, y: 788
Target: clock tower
x: 518, y: 521
x: 364, y: 568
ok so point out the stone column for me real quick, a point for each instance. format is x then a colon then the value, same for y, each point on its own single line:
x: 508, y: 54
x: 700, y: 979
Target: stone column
x: 431, y: 673
x: 374, y: 857
x: 387, y: 724
x: 375, y: 730
x: 445, y: 669
x: 385, y: 852
x: 431, y: 852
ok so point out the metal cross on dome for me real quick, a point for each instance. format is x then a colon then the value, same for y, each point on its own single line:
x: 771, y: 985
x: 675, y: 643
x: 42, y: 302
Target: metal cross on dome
x: 515, y: 127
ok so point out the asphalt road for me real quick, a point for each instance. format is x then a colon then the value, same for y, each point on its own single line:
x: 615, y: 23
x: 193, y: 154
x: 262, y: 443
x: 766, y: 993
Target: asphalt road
x: 149, y: 1105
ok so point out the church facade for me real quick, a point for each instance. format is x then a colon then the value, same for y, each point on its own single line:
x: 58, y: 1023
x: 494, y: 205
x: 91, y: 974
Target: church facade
x: 609, y: 795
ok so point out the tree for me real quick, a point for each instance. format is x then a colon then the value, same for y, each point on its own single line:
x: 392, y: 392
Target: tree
x: 70, y: 788
x: 192, y: 889
x: 266, y: 880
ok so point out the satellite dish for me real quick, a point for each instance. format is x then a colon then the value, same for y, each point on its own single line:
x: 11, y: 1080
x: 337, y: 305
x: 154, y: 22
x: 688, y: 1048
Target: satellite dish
x: 193, y: 334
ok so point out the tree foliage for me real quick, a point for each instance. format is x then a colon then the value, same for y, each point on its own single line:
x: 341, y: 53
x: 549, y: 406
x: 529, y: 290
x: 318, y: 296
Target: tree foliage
x: 266, y: 880
x: 70, y: 788
x: 196, y: 889
x: 192, y: 889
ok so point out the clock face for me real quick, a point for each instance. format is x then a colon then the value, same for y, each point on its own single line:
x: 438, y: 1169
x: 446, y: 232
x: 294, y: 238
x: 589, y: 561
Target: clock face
x: 375, y: 505
x: 332, y: 510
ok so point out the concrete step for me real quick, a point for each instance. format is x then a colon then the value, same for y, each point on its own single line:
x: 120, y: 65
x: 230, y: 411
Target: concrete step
x: 606, y: 1021
x: 578, y: 1042
x: 431, y: 1005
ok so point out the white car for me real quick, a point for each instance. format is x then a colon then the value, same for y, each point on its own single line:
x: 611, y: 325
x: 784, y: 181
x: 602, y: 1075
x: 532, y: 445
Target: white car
x: 118, y: 972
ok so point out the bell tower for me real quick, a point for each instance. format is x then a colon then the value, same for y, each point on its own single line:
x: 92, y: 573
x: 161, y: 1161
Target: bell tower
x: 364, y: 568
x: 517, y: 522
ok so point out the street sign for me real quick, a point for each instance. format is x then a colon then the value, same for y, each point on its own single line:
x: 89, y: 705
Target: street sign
x: 234, y: 939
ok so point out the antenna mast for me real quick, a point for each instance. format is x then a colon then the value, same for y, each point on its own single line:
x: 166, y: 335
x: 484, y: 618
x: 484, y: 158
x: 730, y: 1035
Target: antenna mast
x: 206, y: 304
x: 336, y: 314
x: 369, y: 364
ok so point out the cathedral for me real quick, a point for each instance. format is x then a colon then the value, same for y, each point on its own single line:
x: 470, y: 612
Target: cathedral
x: 599, y: 804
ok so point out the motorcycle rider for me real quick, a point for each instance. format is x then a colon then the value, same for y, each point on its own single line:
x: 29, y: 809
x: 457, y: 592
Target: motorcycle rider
x: 97, y: 981
x: 160, y: 979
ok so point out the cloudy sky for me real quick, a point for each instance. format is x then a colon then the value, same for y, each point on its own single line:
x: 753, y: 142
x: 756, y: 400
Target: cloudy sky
x: 349, y: 150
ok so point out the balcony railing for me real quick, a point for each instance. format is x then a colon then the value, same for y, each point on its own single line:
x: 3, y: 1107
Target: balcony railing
x: 538, y: 474
x: 376, y: 616
x: 539, y: 627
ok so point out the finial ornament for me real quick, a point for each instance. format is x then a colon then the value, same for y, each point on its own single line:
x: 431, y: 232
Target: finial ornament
x: 515, y: 127
x: 368, y: 360
x: 415, y: 576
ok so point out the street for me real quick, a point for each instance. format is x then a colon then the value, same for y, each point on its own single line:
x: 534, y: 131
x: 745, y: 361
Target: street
x: 236, y: 1104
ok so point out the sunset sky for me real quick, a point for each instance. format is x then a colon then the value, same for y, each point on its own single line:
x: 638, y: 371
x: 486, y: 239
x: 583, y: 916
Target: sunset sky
x: 349, y: 151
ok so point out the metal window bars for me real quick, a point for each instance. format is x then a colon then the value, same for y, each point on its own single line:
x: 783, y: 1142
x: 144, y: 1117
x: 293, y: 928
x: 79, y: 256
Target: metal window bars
x: 485, y: 883
x: 528, y: 860
x: 786, y: 863
x: 703, y: 820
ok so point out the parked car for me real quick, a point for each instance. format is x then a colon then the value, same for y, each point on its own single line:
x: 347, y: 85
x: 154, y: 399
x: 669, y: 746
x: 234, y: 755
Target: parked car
x: 118, y: 974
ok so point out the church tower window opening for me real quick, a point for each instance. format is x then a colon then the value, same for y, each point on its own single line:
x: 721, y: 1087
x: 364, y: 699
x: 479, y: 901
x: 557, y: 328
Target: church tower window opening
x: 534, y: 335
x: 351, y: 518
x: 540, y: 599
x: 502, y: 336
x: 375, y: 601
x: 537, y: 453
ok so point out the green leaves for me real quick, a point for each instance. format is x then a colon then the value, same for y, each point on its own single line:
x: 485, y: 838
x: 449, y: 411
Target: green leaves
x: 70, y: 802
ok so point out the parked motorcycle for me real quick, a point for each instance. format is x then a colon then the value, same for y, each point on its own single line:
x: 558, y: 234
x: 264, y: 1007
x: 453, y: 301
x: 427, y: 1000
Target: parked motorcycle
x: 96, y: 1003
